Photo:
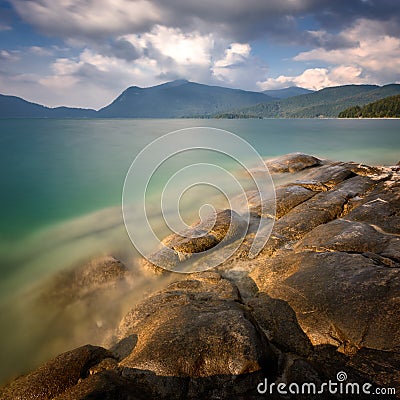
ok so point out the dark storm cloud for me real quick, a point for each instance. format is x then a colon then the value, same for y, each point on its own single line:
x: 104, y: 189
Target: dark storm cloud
x: 120, y: 48
x: 236, y: 20
x: 281, y: 20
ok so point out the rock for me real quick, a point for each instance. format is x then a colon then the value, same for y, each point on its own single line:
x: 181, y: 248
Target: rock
x: 286, y: 198
x: 56, y: 376
x: 329, y: 175
x: 322, y: 297
x: 197, y: 328
x: 217, y: 230
x: 279, y: 322
x: 294, y: 162
x: 106, y: 385
x: 98, y: 275
x: 380, y: 208
x: 349, y: 236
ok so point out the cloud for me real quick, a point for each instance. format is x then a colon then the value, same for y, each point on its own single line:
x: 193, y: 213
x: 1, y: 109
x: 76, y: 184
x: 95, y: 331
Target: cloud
x: 9, y: 56
x: 5, y: 27
x: 377, y: 54
x: 91, y: 18
x: 235, y: 20
x: 374, y: 57
x: 238, y: 65
x: 107, y: 45
x: 316, y: 78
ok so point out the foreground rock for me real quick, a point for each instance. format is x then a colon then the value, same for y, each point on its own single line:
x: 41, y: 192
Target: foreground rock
x: 322, y: 297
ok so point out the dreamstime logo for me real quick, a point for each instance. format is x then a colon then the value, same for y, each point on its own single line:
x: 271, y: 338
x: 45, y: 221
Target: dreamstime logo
x: 211, y: 171
x: 340, y: 386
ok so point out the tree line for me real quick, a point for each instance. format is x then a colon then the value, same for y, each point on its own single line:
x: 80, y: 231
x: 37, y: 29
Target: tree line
x: 389, y: 107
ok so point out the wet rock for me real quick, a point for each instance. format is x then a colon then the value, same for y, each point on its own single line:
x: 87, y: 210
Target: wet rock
x: 292, y: 163
x: 217, y: 230
x: 348, y: 300
x: 322, y: 297
x: 380, y: 208
x: 57, y: 375
x: 100, y: 274
x: 197, y: 328
x: 329, y: 175
x: 349, y: 236
x: 286, y: 198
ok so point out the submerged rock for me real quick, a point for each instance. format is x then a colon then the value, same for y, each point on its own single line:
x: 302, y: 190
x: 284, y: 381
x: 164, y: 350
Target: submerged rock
x: 323, y: 296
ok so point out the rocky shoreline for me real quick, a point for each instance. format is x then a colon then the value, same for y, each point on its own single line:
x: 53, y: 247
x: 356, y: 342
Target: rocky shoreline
x: 322, y: 297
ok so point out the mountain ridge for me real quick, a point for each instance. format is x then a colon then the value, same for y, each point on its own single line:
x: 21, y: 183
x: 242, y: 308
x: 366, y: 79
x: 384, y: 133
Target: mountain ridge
x: 178, y: 99
x: 327, y: 102
x: 183, y: 99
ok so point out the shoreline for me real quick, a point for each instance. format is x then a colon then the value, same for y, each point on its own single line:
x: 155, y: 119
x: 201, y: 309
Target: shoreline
x: 325, y: 246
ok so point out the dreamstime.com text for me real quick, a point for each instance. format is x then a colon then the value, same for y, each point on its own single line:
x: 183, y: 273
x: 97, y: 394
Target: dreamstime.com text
x: 332, y: 387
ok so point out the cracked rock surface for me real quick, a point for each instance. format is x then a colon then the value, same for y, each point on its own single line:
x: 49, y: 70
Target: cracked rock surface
x: 323, y: 296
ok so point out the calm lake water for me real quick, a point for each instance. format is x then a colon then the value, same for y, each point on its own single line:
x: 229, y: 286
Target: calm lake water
x: 62, y: 180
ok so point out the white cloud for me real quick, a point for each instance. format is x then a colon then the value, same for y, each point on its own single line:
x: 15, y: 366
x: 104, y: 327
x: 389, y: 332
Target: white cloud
x: 183, y: 48
x: 374, y: 57
x: 316, y: 78
x: 377, y: 54
x: 10, y: 56
x: 40, y: 51
x: 237, y: 53
x: 162, y: 54
x: 238, y: 65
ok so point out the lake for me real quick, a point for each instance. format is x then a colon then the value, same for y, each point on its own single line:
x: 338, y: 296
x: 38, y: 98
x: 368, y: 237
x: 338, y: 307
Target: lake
x: 62, y: 183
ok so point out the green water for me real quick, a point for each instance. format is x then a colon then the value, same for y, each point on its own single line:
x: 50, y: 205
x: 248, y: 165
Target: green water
x: 62, y: 180
x: 54, y: 170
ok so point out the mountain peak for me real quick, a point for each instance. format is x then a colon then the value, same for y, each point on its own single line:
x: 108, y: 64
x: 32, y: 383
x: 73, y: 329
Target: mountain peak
x: 175, y: 83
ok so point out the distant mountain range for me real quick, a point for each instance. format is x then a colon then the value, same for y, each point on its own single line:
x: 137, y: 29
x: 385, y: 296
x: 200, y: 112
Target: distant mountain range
x: 182, y: 99
x: 15, y: 107
x: 287, y: 92
x: 328, y: 102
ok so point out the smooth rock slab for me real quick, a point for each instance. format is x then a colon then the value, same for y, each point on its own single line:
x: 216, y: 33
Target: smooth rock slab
x: 350, y: 300
x: 293, y: 162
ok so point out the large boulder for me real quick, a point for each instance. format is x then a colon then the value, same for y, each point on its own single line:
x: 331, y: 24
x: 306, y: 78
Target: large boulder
x: 198, y: 329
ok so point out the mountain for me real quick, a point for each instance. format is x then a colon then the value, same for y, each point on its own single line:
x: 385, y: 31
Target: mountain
x: 389, y: 107
x: 287, y: 92
x: 182, y: 98
x: 179, y: 99
x: 15, y: 107
x: 327, y: 102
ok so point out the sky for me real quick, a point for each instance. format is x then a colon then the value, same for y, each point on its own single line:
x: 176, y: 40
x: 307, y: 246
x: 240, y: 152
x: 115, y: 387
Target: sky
x: 84, y: 53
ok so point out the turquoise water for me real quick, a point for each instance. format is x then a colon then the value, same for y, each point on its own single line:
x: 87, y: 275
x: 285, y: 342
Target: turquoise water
x: 62, y: 180
x: 54, y: 171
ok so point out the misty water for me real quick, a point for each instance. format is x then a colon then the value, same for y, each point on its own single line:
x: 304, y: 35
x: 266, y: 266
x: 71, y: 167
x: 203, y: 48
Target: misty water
x: 60, y: 205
